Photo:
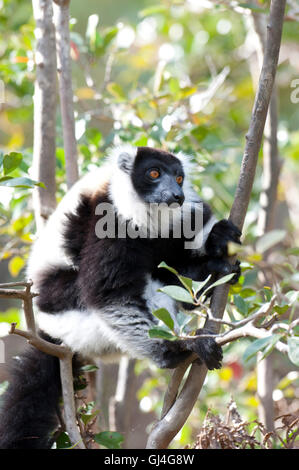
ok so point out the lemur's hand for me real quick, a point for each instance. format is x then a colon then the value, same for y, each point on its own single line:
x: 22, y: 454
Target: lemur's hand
x: 223, y: 232
x: 222, y: 268
x: 207, y: 349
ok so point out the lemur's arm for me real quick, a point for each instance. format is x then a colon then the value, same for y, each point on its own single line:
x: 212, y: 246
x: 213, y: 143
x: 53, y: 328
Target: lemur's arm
x: 129, y: 330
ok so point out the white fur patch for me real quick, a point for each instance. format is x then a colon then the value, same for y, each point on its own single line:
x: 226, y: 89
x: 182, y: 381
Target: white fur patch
x: 128, y: 204
x: 86, y: 333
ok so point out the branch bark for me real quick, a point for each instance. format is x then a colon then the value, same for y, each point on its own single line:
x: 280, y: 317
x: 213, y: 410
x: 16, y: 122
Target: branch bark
x: 7, y: 291
x: 61, y: 19
x: 44, y: 160
x: 174, y: 419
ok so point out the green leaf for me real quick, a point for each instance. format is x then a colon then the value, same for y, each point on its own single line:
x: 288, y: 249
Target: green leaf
x: 247, y: 292
x: 11, y: 161
x: 108, y: 35
x: 93, y: 136
x: 174, y: 86
x: 241, y: 305
x: 89, y: 368
x: 165, y: 317
x: 109, y: 439
x: 152, y: 10
x: 160, y: 332
x: 172, y: 270
x: 257, y: 345
x: 5, y: 178
x: 198, y: 285
x: 87, y: 413
x: 281, y: 309
x: 116, y: 90
x: 270, y: 239
x: 22, y: 182
x: 290, y: 251
x: 222, y: 280
x: 63, y: 441
x: 177, y: 293
x: 12, y: 315
x: 293, y: 343
x: 268, y: 349
x: 186, y: 281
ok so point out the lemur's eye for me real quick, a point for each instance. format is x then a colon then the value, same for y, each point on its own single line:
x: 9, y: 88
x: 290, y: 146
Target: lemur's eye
x: 179, y: 179
x: 154, y: 174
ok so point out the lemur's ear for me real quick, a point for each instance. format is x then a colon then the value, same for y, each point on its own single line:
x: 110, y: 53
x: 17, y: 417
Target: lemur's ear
x: 125, y: 162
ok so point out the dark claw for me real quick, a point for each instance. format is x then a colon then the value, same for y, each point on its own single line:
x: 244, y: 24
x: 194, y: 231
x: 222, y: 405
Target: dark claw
x: 207, y: 349
x: 222, y: 267
x: 235, y: 268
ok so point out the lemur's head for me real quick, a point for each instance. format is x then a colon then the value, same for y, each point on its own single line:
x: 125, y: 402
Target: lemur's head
x: 157, y: 176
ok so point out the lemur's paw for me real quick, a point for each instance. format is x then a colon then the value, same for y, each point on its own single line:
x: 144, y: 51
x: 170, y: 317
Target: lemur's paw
x: 207, y: 349
x: 237, y: 270
x: 223, y: 232
x: 222, y: 267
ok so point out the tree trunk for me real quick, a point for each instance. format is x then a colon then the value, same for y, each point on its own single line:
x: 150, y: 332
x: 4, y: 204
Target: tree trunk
x: 44, y: 158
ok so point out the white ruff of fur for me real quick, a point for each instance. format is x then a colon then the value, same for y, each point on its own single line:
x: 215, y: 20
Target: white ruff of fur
x: 130, y: 206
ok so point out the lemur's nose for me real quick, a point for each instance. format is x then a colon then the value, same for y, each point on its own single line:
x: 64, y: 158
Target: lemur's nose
x: 179, y: 198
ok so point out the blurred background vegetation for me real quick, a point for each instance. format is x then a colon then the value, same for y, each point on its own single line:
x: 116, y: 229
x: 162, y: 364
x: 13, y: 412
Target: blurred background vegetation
x: 173, y: 74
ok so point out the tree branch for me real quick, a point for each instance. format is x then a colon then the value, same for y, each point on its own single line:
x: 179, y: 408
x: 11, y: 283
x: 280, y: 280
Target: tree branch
x: 61, y: 19
x: 174, y: 419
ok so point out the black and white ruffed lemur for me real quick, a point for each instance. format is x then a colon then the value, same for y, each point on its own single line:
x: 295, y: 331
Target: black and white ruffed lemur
x: 97, y: 293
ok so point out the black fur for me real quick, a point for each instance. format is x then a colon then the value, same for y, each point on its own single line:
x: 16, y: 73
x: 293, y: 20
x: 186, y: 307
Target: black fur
x: 222, y: 232
x: 58, y: 290
x: 29, y: 408
x: 30, y: 411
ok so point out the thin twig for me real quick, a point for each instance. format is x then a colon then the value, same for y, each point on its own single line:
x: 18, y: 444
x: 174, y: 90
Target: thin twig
x: 25, y: 295
x: 66, y: 376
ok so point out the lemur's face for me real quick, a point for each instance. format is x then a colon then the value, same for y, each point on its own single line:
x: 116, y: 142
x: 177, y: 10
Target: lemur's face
x: 158, y: 176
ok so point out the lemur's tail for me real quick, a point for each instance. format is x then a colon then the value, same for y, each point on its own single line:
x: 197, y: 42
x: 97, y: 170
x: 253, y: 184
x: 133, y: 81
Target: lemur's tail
x: 28, y: 413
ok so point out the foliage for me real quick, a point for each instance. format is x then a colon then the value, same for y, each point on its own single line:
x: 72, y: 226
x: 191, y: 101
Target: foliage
x: 195, y: 293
